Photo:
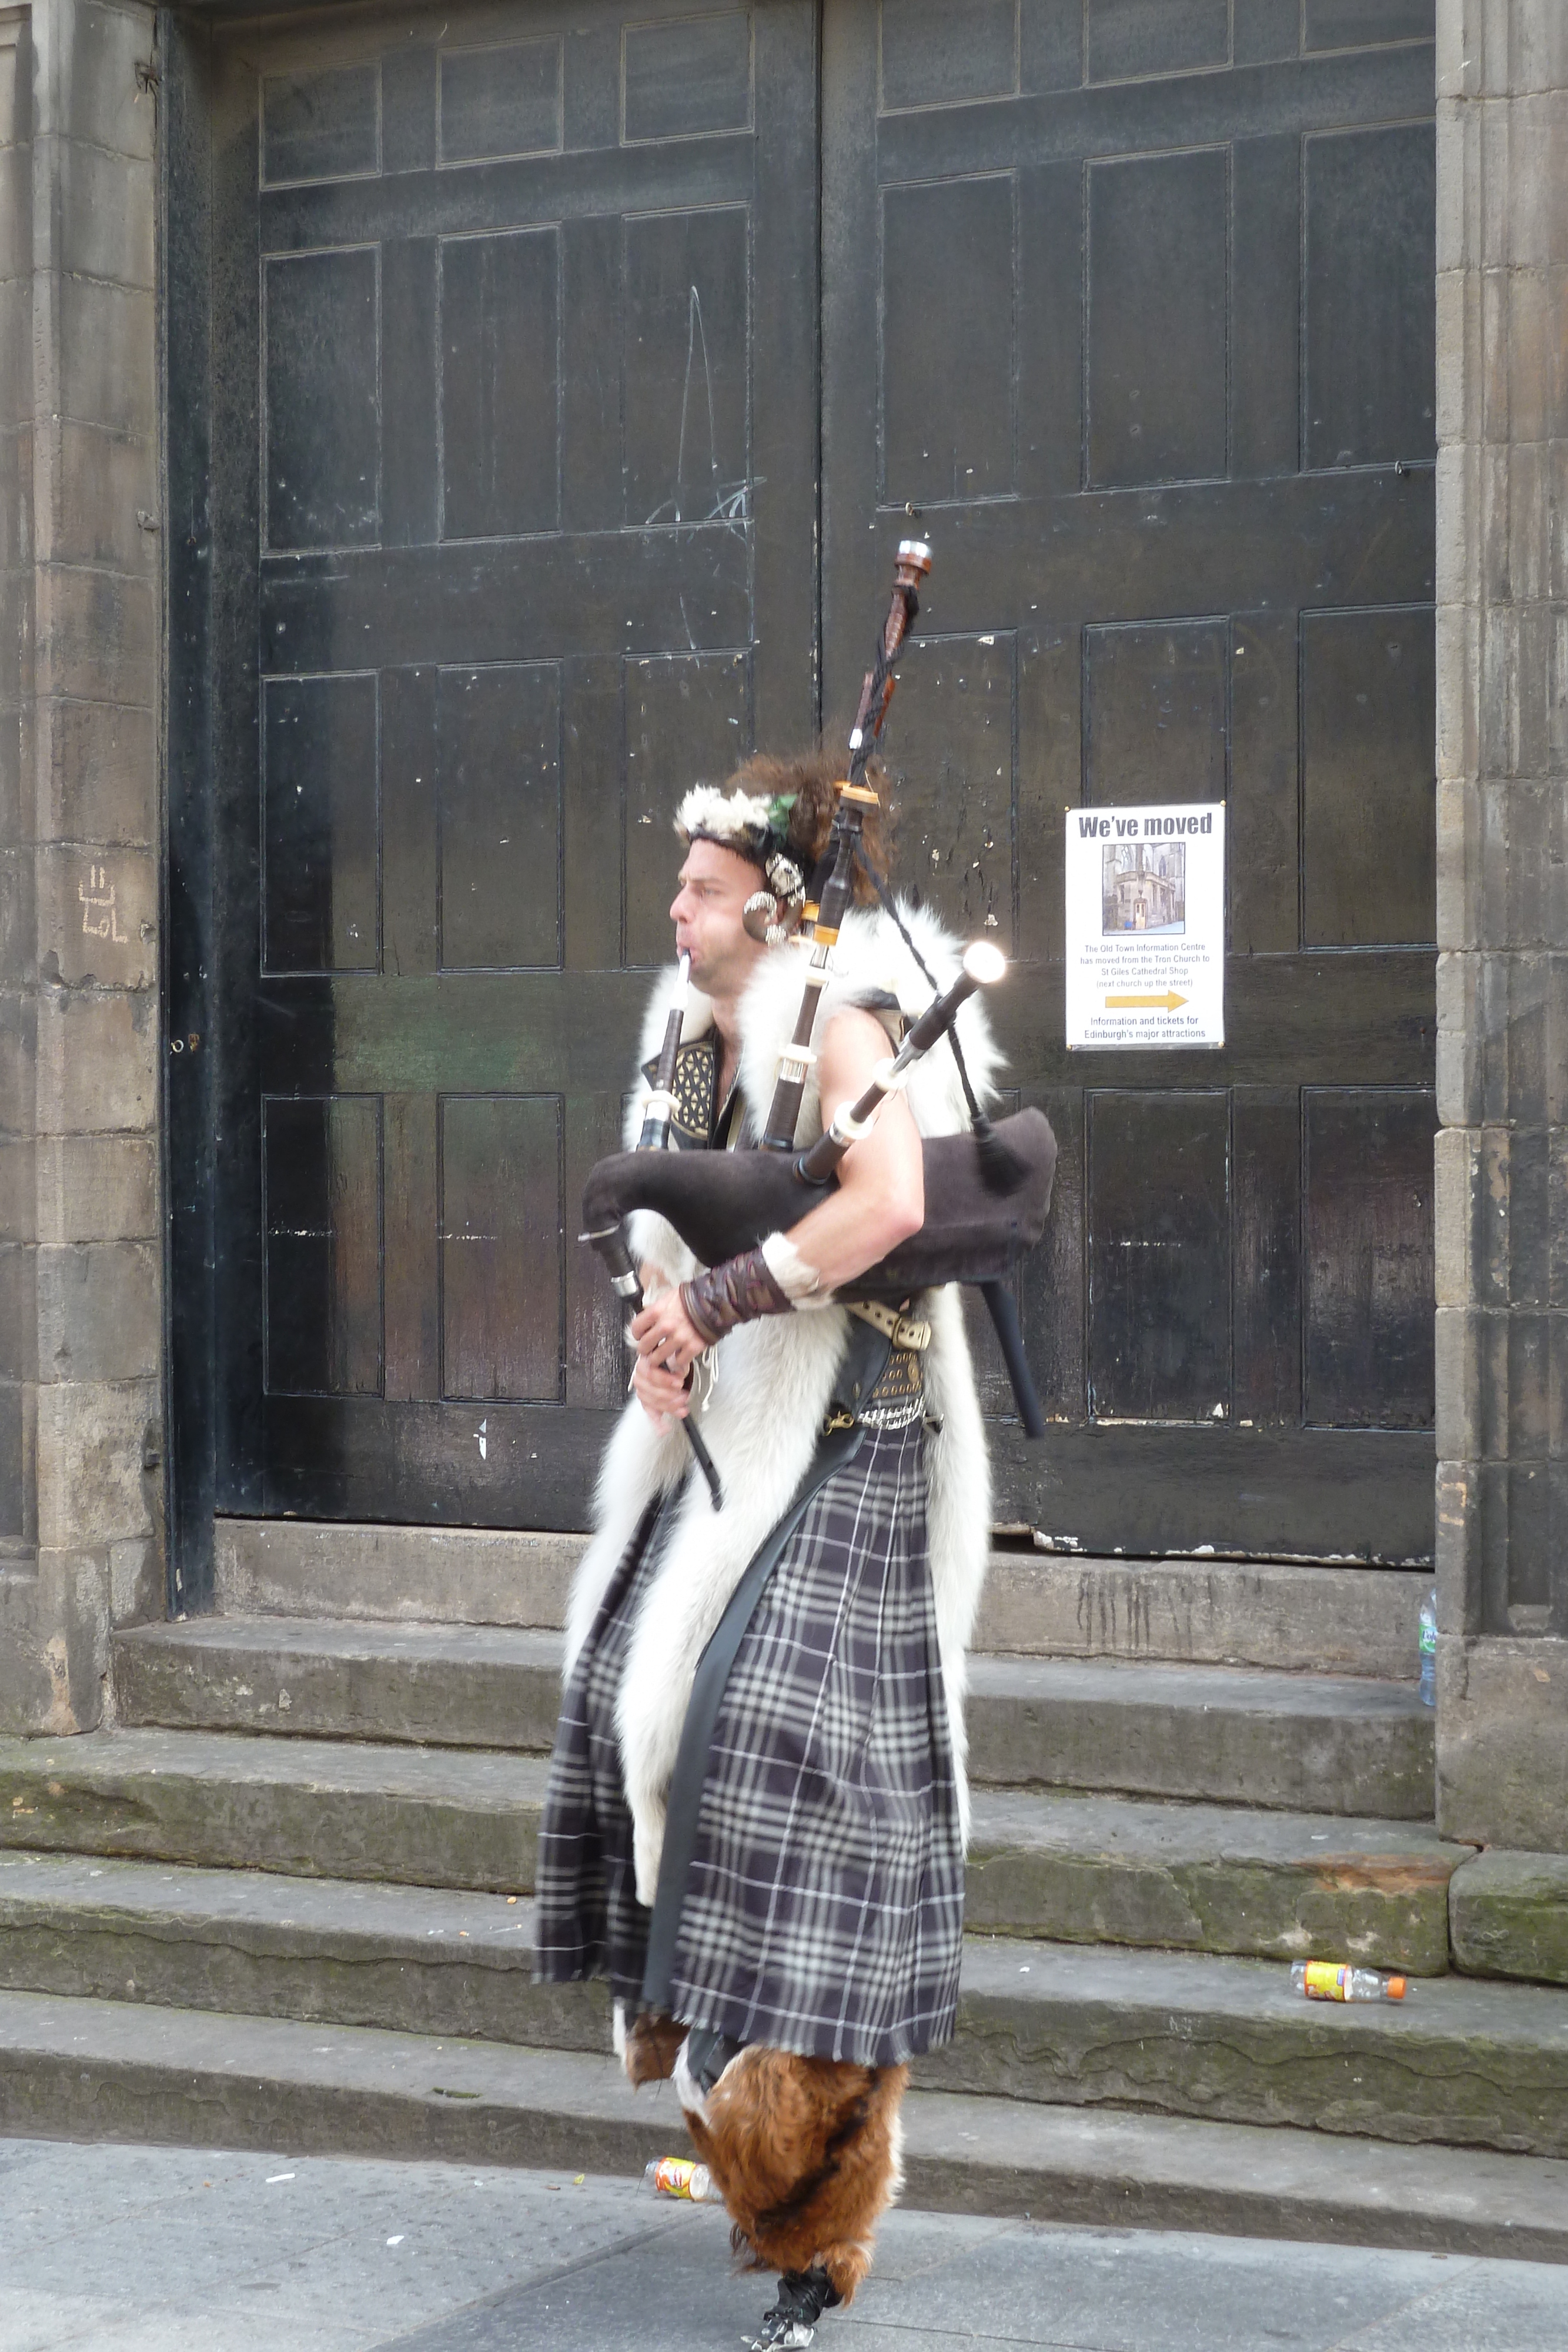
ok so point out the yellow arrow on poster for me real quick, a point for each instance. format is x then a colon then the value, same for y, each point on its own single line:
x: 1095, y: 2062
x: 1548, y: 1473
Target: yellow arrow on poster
x: 1165, y: 1003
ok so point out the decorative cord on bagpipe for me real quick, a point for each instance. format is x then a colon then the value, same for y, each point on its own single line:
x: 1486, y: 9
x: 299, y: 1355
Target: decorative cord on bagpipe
x: 1003, y: 1170
x: 1000, y: 1166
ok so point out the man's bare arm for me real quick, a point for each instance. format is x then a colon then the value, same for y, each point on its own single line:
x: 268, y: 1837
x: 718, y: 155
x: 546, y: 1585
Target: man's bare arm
x: 880, y: 1199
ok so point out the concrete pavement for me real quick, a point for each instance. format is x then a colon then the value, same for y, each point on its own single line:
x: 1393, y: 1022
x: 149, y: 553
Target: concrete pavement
x: 127, y: 2248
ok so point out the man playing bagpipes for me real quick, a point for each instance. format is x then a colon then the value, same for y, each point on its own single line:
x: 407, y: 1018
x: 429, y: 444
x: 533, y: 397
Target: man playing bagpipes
x: 758, y: 1805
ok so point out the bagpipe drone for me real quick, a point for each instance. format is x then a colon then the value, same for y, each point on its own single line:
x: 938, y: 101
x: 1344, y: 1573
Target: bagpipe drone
x: 987, y: 1193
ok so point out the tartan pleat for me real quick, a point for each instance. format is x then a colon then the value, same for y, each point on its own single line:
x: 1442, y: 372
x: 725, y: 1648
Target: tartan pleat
x: 587, y: 1920
x: 824, y: 1906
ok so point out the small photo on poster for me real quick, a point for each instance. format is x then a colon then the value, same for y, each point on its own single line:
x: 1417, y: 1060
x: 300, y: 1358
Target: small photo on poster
x: 1143, y: 888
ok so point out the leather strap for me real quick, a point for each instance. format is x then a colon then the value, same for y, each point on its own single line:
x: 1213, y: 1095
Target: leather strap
x: 739, y: 1291
x: 904, y: 1330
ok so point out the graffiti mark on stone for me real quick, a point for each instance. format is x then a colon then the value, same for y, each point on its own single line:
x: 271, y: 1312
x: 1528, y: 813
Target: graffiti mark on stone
x: 99, y: 919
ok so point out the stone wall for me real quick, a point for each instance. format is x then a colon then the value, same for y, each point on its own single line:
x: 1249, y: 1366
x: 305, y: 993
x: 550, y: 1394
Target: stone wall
x: 18, y: 1533
x: 1502, y: 920
x: 80, y: 1312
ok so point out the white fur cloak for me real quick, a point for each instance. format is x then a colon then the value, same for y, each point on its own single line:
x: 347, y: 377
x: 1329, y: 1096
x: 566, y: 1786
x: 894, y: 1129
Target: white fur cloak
x: 772, y: 1380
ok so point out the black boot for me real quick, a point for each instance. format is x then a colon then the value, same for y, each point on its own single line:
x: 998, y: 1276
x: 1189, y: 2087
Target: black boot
x: 790, y: 2325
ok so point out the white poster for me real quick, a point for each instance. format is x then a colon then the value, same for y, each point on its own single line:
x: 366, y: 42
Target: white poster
x: 1145, y: 926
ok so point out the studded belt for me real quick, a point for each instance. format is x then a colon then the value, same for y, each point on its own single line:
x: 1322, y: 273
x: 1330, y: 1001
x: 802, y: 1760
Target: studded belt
x: 904, y: 1330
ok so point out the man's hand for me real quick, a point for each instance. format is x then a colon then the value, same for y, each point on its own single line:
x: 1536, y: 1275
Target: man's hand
x: 662, y: 1395
x: 667, y: 1347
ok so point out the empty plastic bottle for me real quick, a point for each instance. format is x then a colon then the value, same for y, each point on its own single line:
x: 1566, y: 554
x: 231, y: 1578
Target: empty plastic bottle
x: 1333, y: 1980
x: 1427, y: 1691
x: 680, y: 2175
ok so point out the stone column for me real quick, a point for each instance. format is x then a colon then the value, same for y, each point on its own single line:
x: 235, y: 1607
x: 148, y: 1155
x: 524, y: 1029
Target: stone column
x: 80, y: 1313
x: 1502, y: 921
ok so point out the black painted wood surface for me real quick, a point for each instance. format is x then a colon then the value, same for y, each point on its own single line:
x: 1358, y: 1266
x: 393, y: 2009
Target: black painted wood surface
x: 1143, y: 324
x: 557, y: 453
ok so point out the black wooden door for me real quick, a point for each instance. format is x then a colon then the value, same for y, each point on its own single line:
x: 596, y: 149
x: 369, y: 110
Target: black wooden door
x: 513, y: 320
x: 494, y: 422
x: 1134, y: 299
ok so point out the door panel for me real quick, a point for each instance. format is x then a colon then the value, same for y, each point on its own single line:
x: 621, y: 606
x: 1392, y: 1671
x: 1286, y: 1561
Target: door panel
x: 319, y: 830
x: 498, y: 816
x: 1369, y: 198
x: 1368, y: 687
x: 1157, y: 280
x: 320, y: 430
x: 321, y: 1173
x: 1125, y: 39
x: 947, y: 280
x: 1141, y: 321
x: 513, y: 322
x: 1157, y: 711
x: 499, y: 384
x: 503, y: 1236
x: 1159, y: 1256
x: 1368, y: 1258
x: 499, y: 101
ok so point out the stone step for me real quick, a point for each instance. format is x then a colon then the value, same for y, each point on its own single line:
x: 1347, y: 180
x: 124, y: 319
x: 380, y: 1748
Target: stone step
x: 314, y: 1807
x: 95, y: 2070
x: 433, y: 1959
x: 445, y: 1685
x: 1211, y: 1878
x: 1042, y: 1863
x: 1213, y: 1613
x: 1317, y: 1743
x: 1291, y: 1614
x: 1245, y: 1735
x: 409, y: 1959
x: 1459, y: 2061
x: 339, y: 1568
x: 1508, y: 1915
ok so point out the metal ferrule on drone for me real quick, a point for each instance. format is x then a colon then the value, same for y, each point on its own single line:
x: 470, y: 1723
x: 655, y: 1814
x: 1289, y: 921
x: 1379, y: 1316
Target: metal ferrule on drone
x: 659, y: 1106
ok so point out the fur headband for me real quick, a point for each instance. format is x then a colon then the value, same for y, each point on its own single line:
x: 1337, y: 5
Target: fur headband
x: 744, y: 822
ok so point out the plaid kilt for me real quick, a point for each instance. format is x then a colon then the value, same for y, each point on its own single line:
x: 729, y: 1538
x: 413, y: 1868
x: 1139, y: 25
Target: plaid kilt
x: 824, y: 1906
x: 588, y: 1921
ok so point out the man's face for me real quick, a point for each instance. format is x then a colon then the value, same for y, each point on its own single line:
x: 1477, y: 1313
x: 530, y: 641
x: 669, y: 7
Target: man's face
x: 715, y: 885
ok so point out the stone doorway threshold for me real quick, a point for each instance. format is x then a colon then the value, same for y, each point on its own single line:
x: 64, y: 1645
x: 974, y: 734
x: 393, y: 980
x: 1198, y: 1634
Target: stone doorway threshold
x: 1291, y: 1617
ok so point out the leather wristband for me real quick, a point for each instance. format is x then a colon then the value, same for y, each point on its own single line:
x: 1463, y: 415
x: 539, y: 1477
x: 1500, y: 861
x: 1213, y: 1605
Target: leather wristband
x: 739, y: 1291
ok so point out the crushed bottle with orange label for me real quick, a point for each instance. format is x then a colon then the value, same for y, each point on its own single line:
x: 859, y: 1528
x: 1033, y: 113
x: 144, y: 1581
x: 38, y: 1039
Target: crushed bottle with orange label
x: 1336, y: 1980
x: 680, y: 2175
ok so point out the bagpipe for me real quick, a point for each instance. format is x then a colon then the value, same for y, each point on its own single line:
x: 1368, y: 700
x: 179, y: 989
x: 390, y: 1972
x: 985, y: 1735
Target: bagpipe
x: 987, y: 1193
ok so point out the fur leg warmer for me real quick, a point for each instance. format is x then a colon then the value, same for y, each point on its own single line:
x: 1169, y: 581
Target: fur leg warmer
x: 807, y: 2153
x: 650, y: 2048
